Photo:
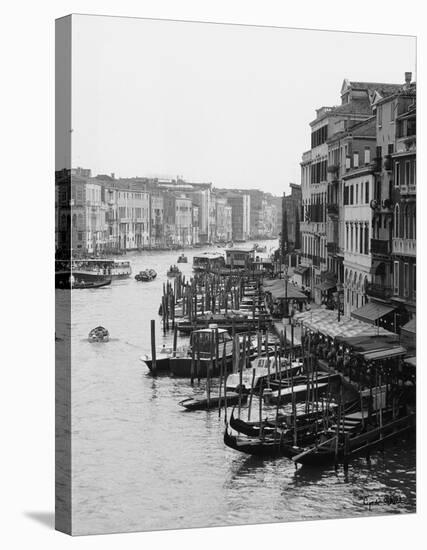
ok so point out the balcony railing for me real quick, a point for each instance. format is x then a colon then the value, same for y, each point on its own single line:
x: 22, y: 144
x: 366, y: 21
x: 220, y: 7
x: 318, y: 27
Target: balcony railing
x: 332, y: 209
x: 380, y: 247
x: 376, y: 290
x: 407, y: 247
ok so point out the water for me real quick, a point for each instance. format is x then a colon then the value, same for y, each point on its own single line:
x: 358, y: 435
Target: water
x: 140, y: 462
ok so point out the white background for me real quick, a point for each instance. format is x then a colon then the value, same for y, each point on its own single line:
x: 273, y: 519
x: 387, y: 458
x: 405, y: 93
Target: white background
x: 27, y: 282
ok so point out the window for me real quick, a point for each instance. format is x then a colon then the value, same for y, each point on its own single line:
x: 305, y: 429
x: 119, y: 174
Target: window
x: 366, y: 250
x: 351, y: 195
x: 356, y: 194
x: 392, y: 111
x: 80, y: 236
x: 406, y: 280
x: 396, y: 277
x: 397, y: 174
x: 361, y: 239
x: 380, y: 115
x: 367, y: 155
x: 367, y: 192
x: 390, y: 149
x: 397, y: 221
x: 356, y: 160
x: 414, y: 281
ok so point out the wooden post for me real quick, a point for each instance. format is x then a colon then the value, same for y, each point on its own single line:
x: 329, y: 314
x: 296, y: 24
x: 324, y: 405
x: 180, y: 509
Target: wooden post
x: 153, y: 345
x: 175, y: 335
x: 251, y: 394
x: 193, y: 360
x: 260, y: 409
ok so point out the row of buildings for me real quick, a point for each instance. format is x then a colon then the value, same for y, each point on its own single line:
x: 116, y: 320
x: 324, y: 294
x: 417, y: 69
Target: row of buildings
x: 358, y: 204
x: 105, y: 214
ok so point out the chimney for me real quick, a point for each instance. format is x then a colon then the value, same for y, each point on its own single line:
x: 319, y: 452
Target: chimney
x: 408, y: 78
x: 112, y: 175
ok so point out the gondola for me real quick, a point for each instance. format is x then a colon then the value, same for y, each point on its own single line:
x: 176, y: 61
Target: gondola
x: 202, y: 403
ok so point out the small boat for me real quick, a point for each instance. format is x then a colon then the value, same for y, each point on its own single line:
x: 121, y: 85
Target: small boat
x: 146, y: 275
x: 199, y: 403
x: 201, y: 344
x: 80, y: 284
x: 182, y: 259
x: 173, y: 271
x: 99, y: 334
x: 163, y: 356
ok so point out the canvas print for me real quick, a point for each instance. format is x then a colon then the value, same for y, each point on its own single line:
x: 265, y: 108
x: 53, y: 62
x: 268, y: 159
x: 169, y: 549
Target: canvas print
x: 235, y: 274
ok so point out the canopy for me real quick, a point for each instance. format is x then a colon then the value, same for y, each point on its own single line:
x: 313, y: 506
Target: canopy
x: 299, y: 270
x: 412, y: 361
x: 411, y: 326
x: 326, y: 285
x: 326, y: 322
x: 383, y: 353
x: 277, y: 288
x: 371, y: 312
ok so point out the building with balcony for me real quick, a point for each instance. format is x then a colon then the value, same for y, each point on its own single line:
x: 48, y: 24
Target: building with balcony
x: 134, y: 215
x: 388, y: 111
x: 240, y: 217
x: 403, y: 245
x: 290, y: 241
x: 157, y: 236
x: 358, y: 185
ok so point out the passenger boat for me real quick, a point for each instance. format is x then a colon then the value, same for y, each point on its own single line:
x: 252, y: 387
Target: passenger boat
x: 203, y: 349
x: 173, y: 271
x: 116, y: 269
x: 182, y: 259
x: 208, y: 262
x: 146, y: 275
x: 99, y: 334
x: 65, y: 278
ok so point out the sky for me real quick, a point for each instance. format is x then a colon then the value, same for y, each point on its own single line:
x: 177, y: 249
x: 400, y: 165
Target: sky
x: 214, y: 103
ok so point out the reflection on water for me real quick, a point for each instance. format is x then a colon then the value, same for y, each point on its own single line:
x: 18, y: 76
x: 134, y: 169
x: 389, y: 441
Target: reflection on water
x: 141, y: 462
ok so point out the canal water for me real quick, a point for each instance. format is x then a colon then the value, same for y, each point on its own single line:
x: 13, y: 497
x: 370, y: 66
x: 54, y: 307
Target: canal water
x: 140, y: 462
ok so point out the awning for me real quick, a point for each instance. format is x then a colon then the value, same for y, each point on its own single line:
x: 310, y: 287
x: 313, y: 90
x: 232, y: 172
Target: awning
x: 300, y: 270
x: 412, y: 361
x: 278, y: 290
x: 411, y: 326
x: 383, y: 353
x: 371, y: 312
x: 326, y: 285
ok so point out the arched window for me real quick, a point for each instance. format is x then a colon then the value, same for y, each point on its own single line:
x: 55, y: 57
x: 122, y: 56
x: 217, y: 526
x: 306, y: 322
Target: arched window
x: 405, y: 222
x: 411, y: 222
x: 396, y: 221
